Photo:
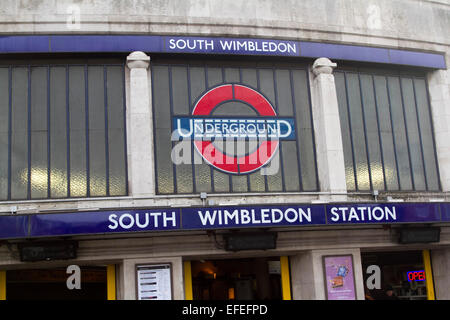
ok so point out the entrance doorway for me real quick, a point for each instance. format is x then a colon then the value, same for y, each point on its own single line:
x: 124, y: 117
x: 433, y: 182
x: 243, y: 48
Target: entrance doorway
x: 237, y: 279
x: 403, y: 272
x: 50, y: 284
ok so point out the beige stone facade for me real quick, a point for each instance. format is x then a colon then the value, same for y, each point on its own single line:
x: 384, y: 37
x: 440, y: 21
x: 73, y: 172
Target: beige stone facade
x: 416, y: 25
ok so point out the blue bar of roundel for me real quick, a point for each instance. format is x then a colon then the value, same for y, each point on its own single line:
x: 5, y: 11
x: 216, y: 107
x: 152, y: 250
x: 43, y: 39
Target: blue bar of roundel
x: 192, y: 217
x: 13, y: 226
x: 184, y: 126
x: 382, y: 213
x: 98, y: 222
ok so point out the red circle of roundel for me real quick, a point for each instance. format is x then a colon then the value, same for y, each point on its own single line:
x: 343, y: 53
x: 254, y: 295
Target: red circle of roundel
x: 236, y: 165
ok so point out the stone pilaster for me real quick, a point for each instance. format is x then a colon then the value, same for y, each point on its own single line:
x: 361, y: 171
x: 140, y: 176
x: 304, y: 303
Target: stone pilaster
x: 327, y: 131
x: 439, y: 89
x: 141, y: 175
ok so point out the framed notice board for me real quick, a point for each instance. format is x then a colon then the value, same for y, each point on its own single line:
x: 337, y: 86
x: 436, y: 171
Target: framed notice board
x: 154, y: 281
x: 339, y: 277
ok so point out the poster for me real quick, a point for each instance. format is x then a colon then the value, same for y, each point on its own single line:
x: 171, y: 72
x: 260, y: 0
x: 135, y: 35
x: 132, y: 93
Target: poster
x: 154, y: 282
x: 339, y: 277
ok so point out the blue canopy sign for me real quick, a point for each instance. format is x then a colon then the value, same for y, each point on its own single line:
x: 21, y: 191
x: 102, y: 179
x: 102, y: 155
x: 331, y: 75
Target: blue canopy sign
x: 227, y: 217
x: 214, y: 46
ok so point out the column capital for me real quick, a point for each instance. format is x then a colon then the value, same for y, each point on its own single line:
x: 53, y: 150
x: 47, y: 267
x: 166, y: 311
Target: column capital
x: 138, y: 59
x: 323, y: 65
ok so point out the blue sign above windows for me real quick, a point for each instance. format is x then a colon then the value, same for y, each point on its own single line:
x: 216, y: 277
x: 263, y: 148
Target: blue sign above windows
x: 206, y: 218
x: 212, y: 45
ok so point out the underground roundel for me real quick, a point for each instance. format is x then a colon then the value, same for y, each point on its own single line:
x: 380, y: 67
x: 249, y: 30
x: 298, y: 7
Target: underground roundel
x: 258, y: 135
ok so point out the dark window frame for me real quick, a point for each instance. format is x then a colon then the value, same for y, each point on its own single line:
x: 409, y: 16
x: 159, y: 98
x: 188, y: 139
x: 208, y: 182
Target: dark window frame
x: 66, y: 64
x: 239, y: 65
x: 400, y: 74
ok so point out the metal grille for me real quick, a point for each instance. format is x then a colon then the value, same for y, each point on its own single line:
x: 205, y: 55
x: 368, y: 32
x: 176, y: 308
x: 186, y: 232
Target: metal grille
x: 387, y: 132
x: 62, y: 131
x: 176, y: 88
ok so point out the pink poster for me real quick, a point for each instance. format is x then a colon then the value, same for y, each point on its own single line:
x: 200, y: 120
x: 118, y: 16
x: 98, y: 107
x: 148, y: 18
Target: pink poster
x: 339, y: 279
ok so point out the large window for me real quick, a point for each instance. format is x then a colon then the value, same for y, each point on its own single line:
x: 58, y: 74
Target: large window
x: 386, y: 131
x: 176, y: 89
x: 62, y: 131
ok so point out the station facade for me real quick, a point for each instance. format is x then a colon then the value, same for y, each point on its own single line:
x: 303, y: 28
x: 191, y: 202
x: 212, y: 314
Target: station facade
x: 241, y: 153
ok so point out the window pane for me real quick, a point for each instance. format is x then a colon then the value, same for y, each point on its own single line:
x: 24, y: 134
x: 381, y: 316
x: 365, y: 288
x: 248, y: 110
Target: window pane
x: 387, y: 138
x: 284, y: 94
x: 116, y: 138
x: 290, y: 166
x: 357, y: 132
x: 232, y: 75
x: 181, y: 107
x: 198, y: 88
x: 77, y: 109
x: 161, y: 100
x: 19, y: 138
x: 39, y: 176
x: 413, y: 134
x: 426, y: 131
x: 221, y: 180
x: 345, y: 130
x: 4, y: 127
x: 256, y: 180
x: 58, y: 133
x: 373, y: 139
x: 97, y: 143
x: 274, y: 179
x: 305, y: 132
x: 401, y: 144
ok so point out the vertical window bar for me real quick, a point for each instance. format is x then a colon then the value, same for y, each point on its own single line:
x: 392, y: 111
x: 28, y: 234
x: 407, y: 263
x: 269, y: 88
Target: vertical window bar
x: 246, y: 139
x: 355, y: 176
x: 68, y: 130
x: 188, y: 76
x: 266, y: 187
x: 379, y: 132
x: 393, y: 132
x: 105, y: 99
x: 124, y: 105
x: 420, y: 135
x: 210, y: 167
x: 407, y: 135
x: 86, y: 97
x: 230, y: 178
x: 174, y: 170
x: 280, y: 148
x: 294, y: 106
x: 312, y: 129
x: 9, y: 131
x: 29, y: 133
x: 48, y: 135
x: 154, y: 130
x: 365, y: 131
x: 432, y: 135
